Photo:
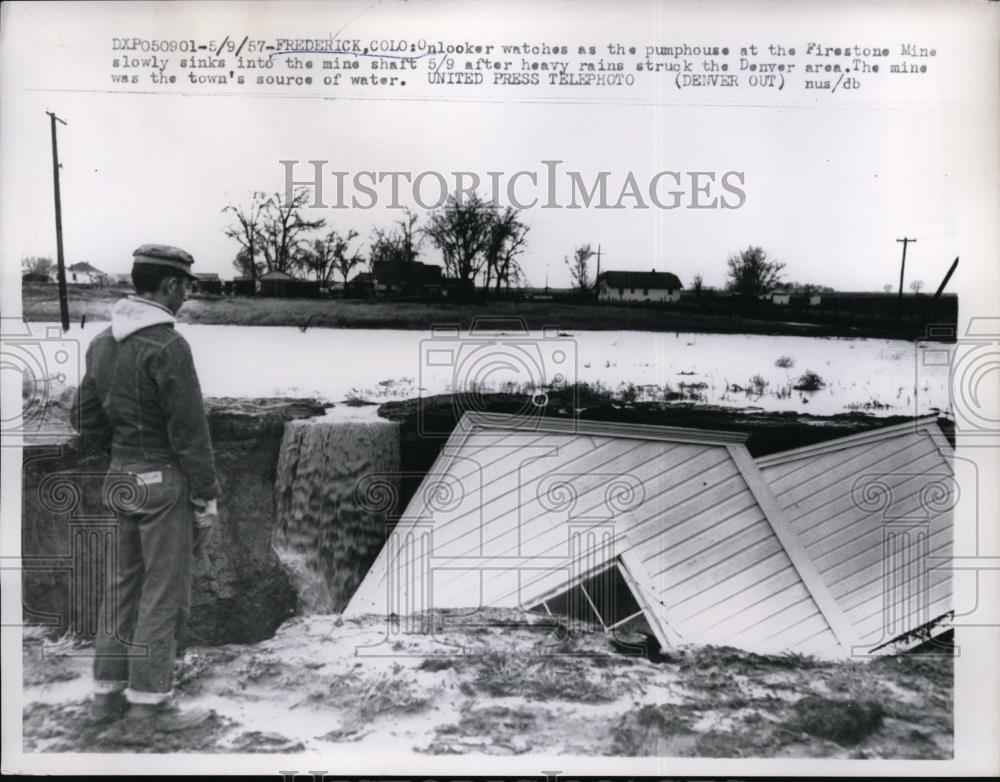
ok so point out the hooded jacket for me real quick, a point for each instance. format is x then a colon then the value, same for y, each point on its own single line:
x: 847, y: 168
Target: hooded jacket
x: 141, y: 392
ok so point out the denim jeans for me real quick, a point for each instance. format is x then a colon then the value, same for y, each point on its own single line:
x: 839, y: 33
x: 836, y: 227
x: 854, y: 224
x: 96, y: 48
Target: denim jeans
x: 147, y: 590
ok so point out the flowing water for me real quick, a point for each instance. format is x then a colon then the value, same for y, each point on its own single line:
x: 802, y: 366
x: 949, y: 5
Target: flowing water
x: 336, y: 486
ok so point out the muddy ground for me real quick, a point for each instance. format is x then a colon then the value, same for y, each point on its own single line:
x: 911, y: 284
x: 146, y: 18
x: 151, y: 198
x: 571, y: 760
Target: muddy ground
x: 506, y: 684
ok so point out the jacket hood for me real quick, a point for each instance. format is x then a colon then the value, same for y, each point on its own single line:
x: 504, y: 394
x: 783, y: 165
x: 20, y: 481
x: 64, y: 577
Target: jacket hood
x: 132, y: 314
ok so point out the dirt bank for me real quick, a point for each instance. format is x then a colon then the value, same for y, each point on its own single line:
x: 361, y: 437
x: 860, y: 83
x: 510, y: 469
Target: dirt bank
x: 240, y: 591
x: 498, y: 685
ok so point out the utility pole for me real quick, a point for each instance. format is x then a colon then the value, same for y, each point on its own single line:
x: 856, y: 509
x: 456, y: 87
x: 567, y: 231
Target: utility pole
x: 902, y: 269
x: 597, y: 290
x: 60, y: 261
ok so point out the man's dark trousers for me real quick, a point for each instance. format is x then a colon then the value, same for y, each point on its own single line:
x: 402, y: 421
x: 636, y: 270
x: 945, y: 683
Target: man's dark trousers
x: 147, y: 595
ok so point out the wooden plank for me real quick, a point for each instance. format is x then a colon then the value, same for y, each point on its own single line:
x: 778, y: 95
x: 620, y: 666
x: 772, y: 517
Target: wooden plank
x: 797, y: 627
x: 746, y: 628
x: 834, y: 479
x: 868, y: 583
x: 794, y: 473
x: 849, y: 441
x: 823, y: 643
x: 813, y: 518
x: 851, y: 571
x: 939, y: 601
x: 740, y: 591
x: 803, y: 563
x: 604, y: 428
x: 652, y: 606
x: 713, y: 548
x: 751, y: 552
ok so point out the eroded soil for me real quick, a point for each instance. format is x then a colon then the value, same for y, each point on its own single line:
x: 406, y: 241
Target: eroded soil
x: 501, y: 686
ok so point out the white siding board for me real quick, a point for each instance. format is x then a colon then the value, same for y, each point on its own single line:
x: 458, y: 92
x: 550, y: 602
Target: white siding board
x: 866, y: 584
x: 801, y: 621
x: 784, y: 478
x: 701, y: 524
x: 866, y: 567
x: 752, y: 623
x: 813, y: 521
x: 830, y: 480
x: 738, y: 591
x: 750, y: 555
x: 870, y: 615
x: 822, y: 642
x: 676, y: 565
x: 845, y: 541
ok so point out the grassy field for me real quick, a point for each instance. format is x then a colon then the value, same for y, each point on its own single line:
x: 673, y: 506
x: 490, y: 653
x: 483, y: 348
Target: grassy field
x: 40, y: 304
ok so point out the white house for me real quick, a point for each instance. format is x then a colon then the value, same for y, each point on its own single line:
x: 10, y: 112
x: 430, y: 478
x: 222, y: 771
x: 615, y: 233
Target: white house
x: 778, y: 296
x: 83, y: 273
x: 638, y: 286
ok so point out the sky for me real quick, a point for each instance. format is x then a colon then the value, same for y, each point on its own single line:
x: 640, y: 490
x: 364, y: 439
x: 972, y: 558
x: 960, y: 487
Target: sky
x: 830, y: 183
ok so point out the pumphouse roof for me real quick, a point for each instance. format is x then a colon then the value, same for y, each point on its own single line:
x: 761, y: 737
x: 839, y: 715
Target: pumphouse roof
x: 518, y: 509
x: 875, y: 514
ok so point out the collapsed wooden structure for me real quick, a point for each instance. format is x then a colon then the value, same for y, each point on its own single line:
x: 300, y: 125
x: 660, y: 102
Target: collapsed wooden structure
x: 675, y: 531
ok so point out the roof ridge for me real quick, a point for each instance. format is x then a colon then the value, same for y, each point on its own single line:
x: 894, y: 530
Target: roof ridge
x: 871, y: 435
x: 484, y: 420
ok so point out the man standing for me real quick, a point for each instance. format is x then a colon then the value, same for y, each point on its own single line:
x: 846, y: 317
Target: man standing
x: 141, y: 392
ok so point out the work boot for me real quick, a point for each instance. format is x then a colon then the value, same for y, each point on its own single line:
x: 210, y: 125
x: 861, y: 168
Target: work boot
x: 107, y: 707
x: 166, y: 717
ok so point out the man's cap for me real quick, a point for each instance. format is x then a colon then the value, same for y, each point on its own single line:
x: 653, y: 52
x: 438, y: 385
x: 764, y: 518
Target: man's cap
x: 164, y: 255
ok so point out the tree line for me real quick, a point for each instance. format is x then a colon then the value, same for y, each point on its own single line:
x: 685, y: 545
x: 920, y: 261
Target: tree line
x: 478, y: 241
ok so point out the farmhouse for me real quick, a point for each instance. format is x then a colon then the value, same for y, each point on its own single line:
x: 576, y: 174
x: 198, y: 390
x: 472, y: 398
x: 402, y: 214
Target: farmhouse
x: 83, y: 273
x: 278, y: 284
x: 393, y: 278
x: 674, y: 532
x: 638, y: 286
x: 781, y: 296
x: 207, y: 282
x: 360, y: 286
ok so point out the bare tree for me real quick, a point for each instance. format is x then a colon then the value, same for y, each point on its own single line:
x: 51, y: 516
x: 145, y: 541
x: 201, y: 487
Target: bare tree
x: 697, y: 284
x: 343, y: 260
x: 916, y: 286
x: 282, y: 226
x: 247, y: 231
x: 400, y: 245
x: 751, y: 273
x: 505, y: 241
x: 579, y: 268
x: 36, y: 265
x: 461, y: 230
x: 887, y: 288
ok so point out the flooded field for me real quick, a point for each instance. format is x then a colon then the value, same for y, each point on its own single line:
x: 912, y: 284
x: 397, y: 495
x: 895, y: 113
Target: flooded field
x: 821, y: 376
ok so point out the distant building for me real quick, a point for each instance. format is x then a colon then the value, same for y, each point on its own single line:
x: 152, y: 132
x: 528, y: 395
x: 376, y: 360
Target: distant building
x: 815, y: 300
x: 276, y: 284
x: 83, y: 273
x: 394, y: 278
x: 360, y: 286
x: 448, y: 288
x: 651, y: 286
x: 207, y: 283
x: 781, y: 296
